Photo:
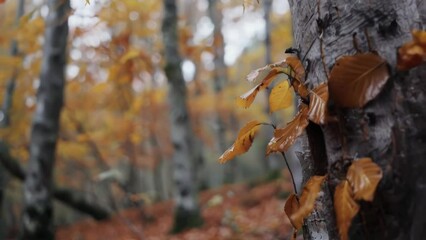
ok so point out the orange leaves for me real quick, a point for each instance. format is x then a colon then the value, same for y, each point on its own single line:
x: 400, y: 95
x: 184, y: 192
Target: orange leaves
x: 291, y: 66
x: 307, y: 201
x: 364, y: 176
x: 345, y: 207
x: 413, y: 53
x: 243, y: 142
x: 285, y: 137
x: 356, y: 80
x: 2, y: 1
x: 247, y: 99
x: 318, y: 104
x: 290, y: 207
x: 280, y: 97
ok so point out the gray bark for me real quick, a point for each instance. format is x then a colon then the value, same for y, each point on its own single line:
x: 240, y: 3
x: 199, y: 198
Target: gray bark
x: 187, y: 213
x: 220, y: 80
x: 37, y: 221
x: 390, y: 129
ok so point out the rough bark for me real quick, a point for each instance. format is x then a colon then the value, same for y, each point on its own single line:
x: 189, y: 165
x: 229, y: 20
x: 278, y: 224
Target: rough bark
x: 390, y: 129
x: 37, y: 222
x: 187, y: 213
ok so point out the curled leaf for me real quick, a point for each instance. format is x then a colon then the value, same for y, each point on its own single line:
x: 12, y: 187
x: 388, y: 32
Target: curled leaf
x: 285, y: 137
x: 413, y: 53
x: 356, y: 80
x: 318, y: 104
x: 247, y: 98
x: 307, y: 200
x: 345, y: 207
x: 280, y: 97
x: 364, y: 176
x: 243, y: 142
x: 290, y: 207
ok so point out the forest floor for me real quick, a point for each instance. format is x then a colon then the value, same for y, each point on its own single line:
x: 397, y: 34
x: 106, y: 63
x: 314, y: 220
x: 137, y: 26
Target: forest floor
x: 239, y: 211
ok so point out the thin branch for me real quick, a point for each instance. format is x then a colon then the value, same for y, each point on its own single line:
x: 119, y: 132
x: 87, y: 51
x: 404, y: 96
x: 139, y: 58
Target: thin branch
x: 291, y: 173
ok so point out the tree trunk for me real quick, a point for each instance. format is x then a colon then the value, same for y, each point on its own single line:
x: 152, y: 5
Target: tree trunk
x: 390, y: 129
x: 37, y: 221
x: 187, y: 212
x: 220, y: 80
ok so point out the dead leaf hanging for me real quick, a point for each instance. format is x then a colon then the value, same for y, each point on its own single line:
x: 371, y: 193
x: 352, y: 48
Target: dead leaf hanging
x: 285, y: 137
x: 413, y: 53
x: 247, y: 98
x: 243, y: 142
x: 364, y: 176
x: 307, y: 200
x: 318, y: 104
x: 345, y: 207
x: 356, y: 80
x: 290, y: 207
x: 280, y: 97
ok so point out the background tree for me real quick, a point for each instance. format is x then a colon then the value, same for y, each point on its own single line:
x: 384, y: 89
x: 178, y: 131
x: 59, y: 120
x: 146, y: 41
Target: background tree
x: 37, y: 215
x: 389, y: 129
x: 187, y: 212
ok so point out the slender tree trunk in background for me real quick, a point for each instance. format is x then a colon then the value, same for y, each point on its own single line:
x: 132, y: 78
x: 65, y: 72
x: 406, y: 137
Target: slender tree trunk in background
x: 271, y: 162
x: 68, y: 197
x: 220, y: 80
x: 187, y: 212
x: 37, y: 218
x: 391, y: 129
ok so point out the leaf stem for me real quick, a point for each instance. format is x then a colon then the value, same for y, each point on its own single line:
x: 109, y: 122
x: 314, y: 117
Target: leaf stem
x: 291, y: 173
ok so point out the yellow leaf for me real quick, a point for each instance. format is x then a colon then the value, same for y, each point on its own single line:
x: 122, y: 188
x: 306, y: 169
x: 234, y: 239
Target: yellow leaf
x: 243, y: 142
x: 412, y: 53
x: 307, y: 200
x: 318, y: 104
x: 290, y: 207
x: 356, y: 80
x: 364, y: 176
x: 285, y: 137
x: 132, y: 53
x: 345, y: 207
x: 280, y: 97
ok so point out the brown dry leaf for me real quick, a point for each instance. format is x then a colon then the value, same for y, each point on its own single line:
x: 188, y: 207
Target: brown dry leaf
x: 345, y: 207
x: 243, y: 142
x: 300, y: 88
x: 285, y: 137
x: 247, y: 98
x: 2, y: 1
x: 364, y: 176
x: 413, y: 53
x: 356, y: 80
x: 290, y: 207
x: 318, y: 104
x: 280, y: 97
x: 307, y: 200
x: 291, y: 65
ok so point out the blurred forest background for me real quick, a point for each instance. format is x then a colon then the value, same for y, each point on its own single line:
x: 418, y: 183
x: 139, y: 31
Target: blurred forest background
x: 113, y: 171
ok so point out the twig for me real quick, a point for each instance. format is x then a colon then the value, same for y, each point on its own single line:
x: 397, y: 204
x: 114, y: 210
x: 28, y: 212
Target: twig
x: 355, y: 42
x: 291, y: 173
x: 370, y: 48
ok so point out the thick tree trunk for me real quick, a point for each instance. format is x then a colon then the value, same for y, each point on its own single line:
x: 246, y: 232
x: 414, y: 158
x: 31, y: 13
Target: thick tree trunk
x: 37, y: 222
x: 187, y: 212
x: 390, y: 129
